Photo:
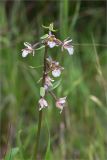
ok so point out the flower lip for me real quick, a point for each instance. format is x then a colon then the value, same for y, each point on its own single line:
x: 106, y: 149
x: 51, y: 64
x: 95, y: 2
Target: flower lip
x: 25, y: 52
x: 56, y: 72
x: 70, y: 50
x: 51, y: 44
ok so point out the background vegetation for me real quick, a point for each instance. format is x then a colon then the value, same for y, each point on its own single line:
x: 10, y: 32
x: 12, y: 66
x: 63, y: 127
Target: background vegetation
x: 80, y: 132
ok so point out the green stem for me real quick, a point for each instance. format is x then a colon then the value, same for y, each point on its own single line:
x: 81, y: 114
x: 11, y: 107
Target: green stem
x: 40, y: 112
x: 38, y: 134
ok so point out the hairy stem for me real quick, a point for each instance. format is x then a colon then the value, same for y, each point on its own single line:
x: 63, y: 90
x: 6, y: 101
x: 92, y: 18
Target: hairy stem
x: 40, y: 112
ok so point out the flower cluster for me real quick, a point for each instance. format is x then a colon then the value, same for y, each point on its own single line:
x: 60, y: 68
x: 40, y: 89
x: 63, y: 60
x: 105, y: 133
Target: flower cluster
x: 51, y: 67
x: 55, y: 69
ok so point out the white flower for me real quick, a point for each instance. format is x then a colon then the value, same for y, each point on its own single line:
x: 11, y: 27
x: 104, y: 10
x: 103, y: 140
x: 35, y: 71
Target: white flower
x: 48, y: 82
x: 56, y: 72
x: 60, y: 103
x: 66, y: 45
x: 54, y: 67
x: 25, y: 53
x: 51, y: 44
x: 27, y: 50
x: 52, y: 41
x: 43, y: 103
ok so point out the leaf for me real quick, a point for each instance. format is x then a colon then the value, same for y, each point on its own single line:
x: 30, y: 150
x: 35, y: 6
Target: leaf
x: 40, y: 47
x: 99, y: 103
x: 40, y: 66
x: 44, y: 36
x: 10, y: 155
x: 21, y: 151
x: 55, y: 85
x: 42, y: 91
x: 96, y: 100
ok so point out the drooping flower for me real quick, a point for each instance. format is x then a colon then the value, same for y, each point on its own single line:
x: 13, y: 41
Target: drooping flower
x: 43, y: 103
x: 60, y: 103
x: 27, y: 50
x: 66, y: 45
x: 48, y: 82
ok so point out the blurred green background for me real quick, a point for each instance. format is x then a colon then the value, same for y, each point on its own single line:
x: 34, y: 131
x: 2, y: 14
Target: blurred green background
x: 80, y: 132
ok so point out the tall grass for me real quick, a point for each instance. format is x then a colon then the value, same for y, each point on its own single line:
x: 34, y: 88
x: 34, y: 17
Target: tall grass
x: 80, y: 131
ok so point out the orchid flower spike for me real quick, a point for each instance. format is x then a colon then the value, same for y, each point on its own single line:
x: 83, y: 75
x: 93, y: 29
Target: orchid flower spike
x: 27, y: 50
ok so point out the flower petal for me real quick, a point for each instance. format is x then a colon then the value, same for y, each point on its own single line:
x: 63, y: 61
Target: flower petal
x: 56, y: 72
x: 27, y: 44
x: 67, y: 42
x: 45, y: 103
x: 70, y: 50
x: 25, y: 53
x: 51, y: 44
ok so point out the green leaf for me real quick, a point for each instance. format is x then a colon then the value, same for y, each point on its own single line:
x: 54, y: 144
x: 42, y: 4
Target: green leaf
x: 44, y: 36
x: 40, y: 66
x: 21, y: 146
x: 55, y: 85
x: 10, y: 155
x: 42, y: 91
x: 40, y: 47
